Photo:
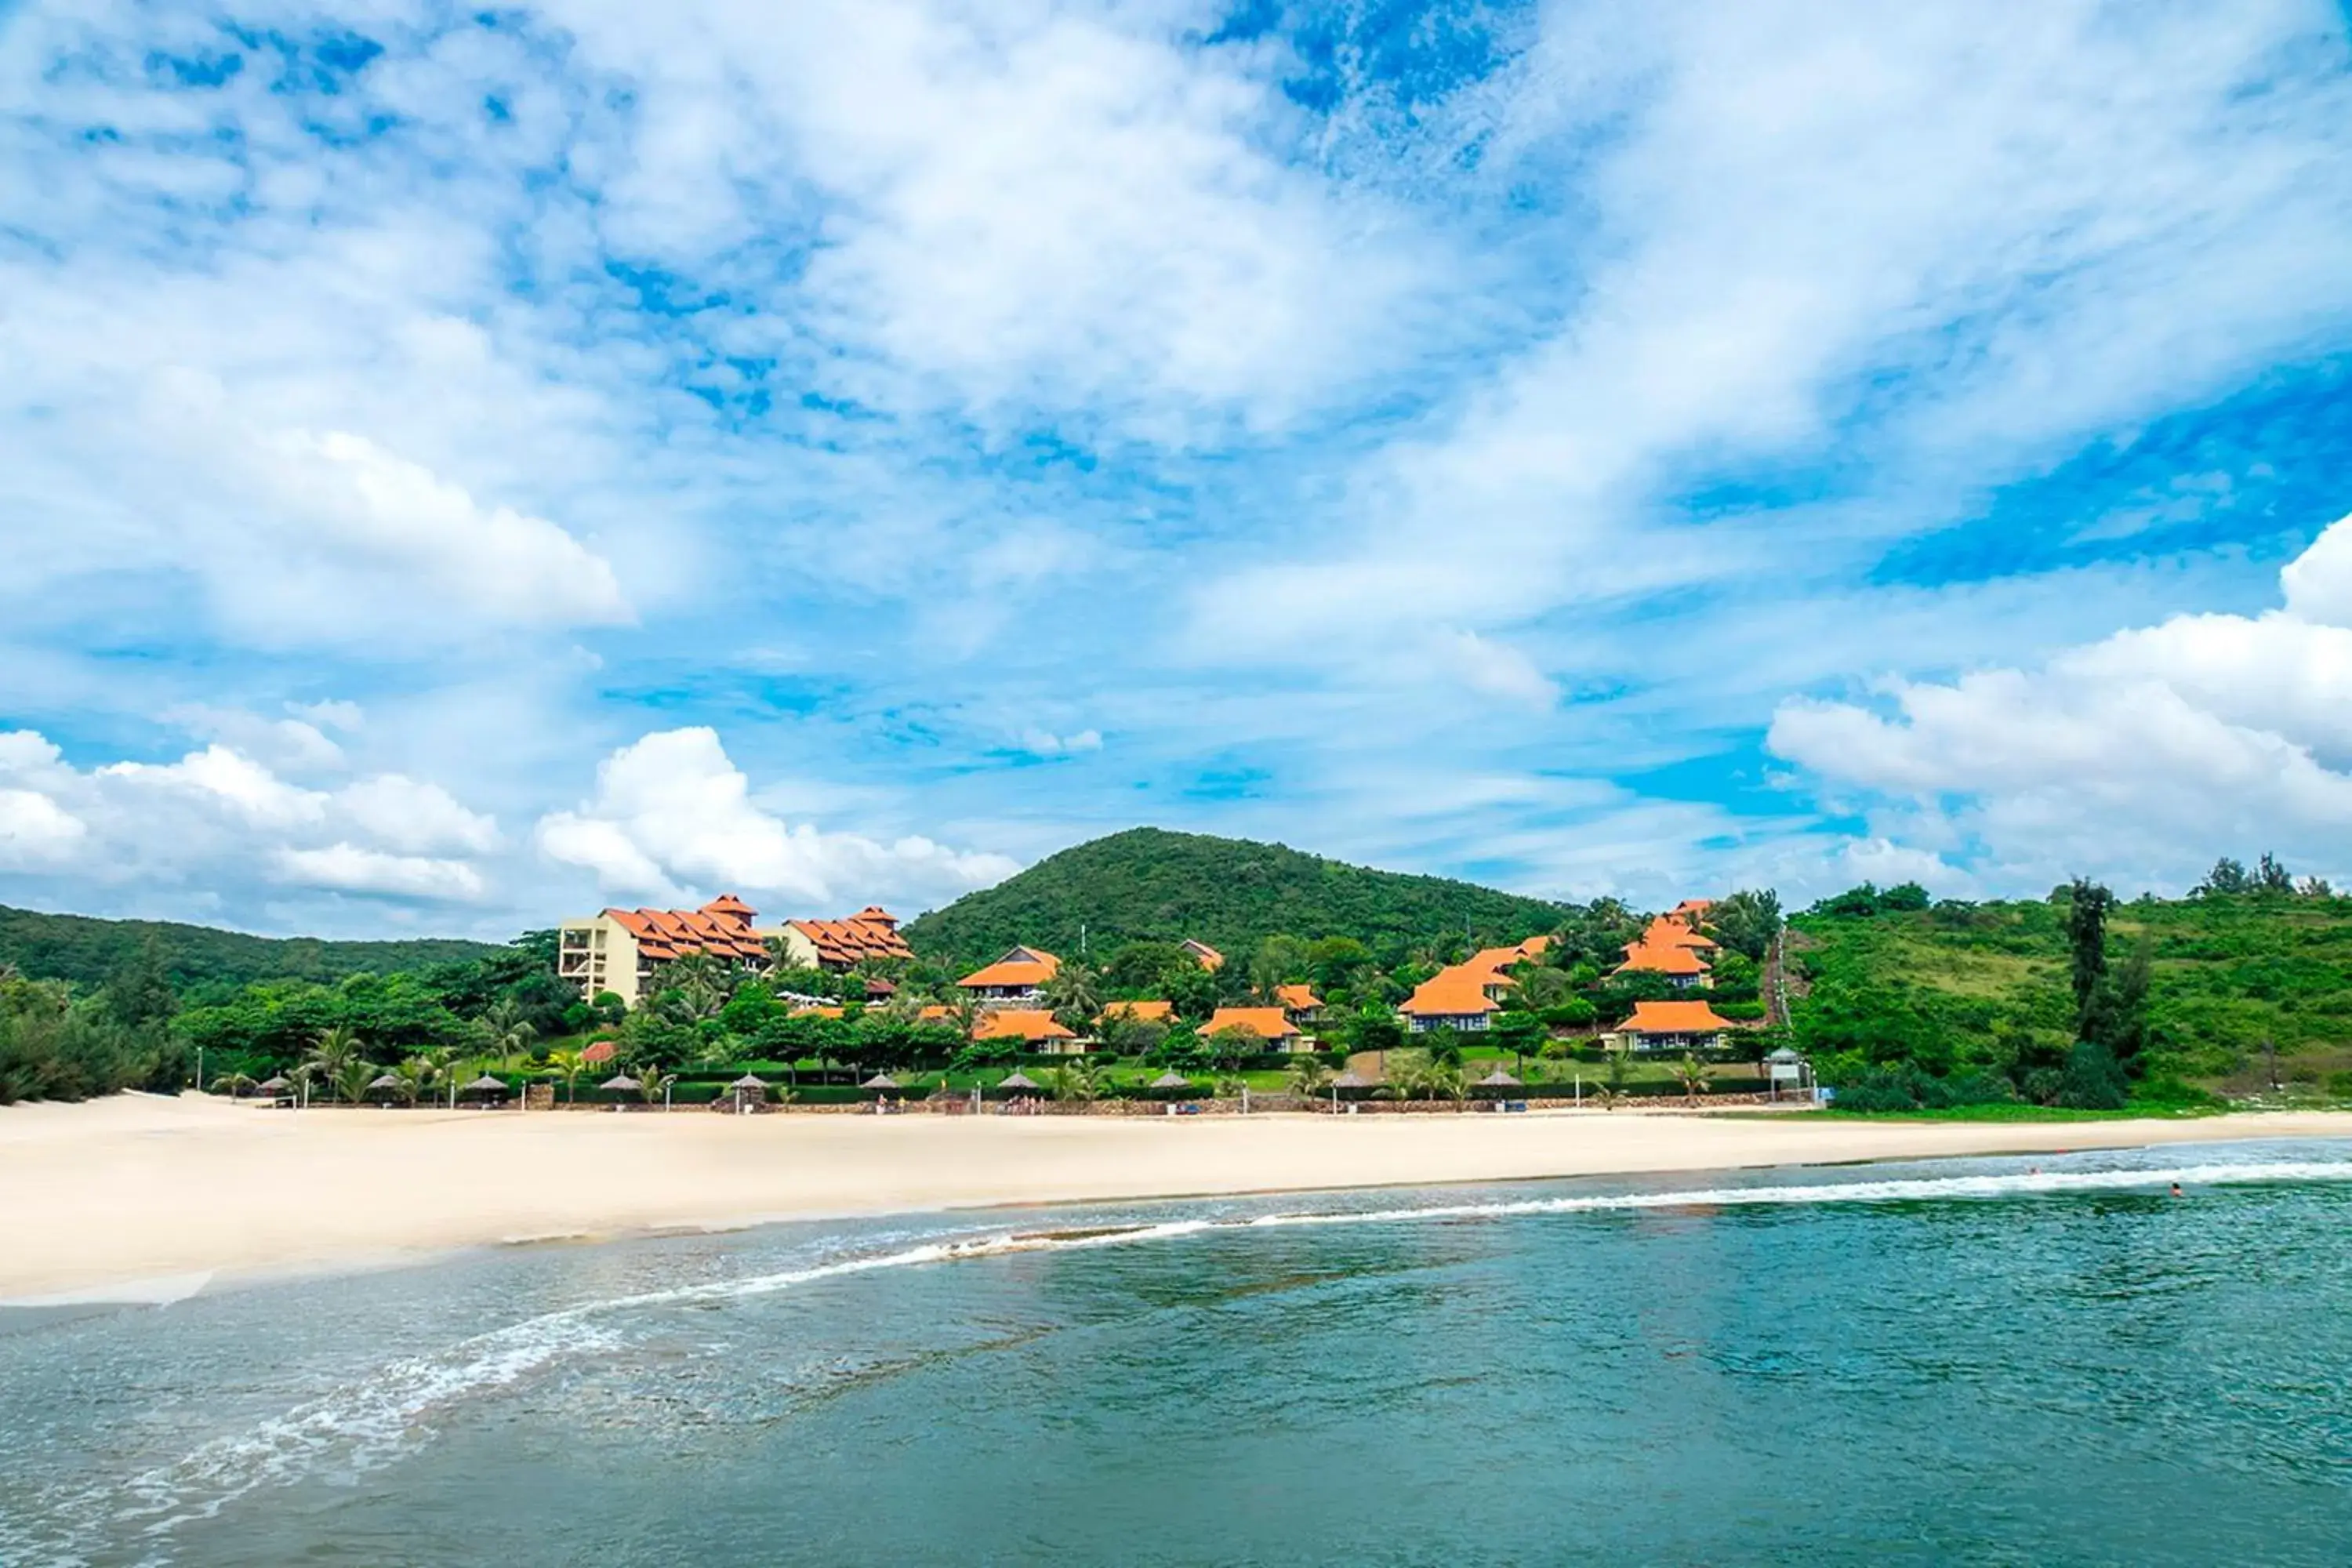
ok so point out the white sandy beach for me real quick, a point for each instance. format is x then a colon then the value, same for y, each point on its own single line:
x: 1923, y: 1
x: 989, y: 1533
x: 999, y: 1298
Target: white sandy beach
x: 104, y: 1196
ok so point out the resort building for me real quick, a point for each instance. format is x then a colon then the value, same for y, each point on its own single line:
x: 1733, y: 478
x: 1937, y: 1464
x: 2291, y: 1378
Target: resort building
x: 838, y: 945
x: 1141, y: 1012
x: 1207, y: 957
x: 1460, y: 996
x: 1673, y: 946
x: 1466, y: 996
x: 1271, y: 1024
x: 1299, y: 1003
x: 1033, y: 1028
x: 1673, y: 1027
x: 623, y: 950
x: 1016, y: 977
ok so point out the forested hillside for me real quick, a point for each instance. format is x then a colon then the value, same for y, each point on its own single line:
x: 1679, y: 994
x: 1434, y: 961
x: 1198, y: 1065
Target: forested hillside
x: 88, y: 952
x: 1147, y: 884
x: 2218, y: 990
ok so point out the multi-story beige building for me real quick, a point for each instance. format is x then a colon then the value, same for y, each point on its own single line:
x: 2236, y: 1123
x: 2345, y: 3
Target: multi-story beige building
x: 622, y: 951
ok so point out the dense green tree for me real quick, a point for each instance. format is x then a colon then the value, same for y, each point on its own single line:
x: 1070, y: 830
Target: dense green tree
x: 1745, y: 921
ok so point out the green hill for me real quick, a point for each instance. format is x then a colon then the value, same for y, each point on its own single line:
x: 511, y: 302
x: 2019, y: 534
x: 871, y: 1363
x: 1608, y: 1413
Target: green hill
x: 86, y: 950
x: 1149, y: 884
x: 1961, y: 986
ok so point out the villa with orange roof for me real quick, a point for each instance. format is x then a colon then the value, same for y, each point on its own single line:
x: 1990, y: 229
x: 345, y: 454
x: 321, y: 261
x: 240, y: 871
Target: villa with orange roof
x: 623, y: 950
x: 1032, y: 1027
x: 1016, y: 977
x: 1459, y: 996
x: 1674, y: 1027
x: 1299, y: 1003
x: 1149, y: 1012
x: 872, y: 932
x: 1271, y: 1024
x: 1466, y: 996
x: 1671, y: 945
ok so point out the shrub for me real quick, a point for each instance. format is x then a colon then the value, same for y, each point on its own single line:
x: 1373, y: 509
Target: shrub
x: 2093, y: 1082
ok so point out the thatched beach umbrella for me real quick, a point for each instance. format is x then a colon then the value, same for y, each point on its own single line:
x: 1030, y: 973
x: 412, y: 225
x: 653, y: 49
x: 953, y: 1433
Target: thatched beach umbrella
x: 620, y: 1083
x: 385, y: 1083
x: 1171, y: 1078
x: 880, y: 1080
x: 751, y: 1081
x: 1017, y: 1078
x: 485, y: 1084
x: 1351, y: 1078
x: 272, y: 1086
x: 1499, y: 1079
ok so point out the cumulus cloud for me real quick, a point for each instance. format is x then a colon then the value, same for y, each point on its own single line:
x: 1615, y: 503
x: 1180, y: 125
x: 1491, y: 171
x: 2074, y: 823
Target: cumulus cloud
x: 349, y: 869
x: 216, y: 813
x: 673, y: 812
x: 233, y: 779
x: 35, y: 829
x: 410, y: 814
x: 2157, y: 747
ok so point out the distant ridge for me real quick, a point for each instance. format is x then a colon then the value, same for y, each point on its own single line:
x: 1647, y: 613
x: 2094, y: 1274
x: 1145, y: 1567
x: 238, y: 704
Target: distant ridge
x: 1150, y: 884
x: 86, y: 950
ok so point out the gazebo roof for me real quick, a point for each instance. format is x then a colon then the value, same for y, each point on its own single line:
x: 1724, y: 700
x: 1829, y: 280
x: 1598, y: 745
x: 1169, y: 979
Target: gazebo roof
x: 1785, y: 1054
x: 749, y: 1080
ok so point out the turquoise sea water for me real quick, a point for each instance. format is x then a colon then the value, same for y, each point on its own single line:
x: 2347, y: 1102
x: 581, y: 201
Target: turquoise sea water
x: 1946, y: 1362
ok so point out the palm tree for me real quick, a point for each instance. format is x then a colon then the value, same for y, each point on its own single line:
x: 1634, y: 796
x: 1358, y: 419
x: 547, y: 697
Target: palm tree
x: 568, y: 1064
x: 232, y: 1084
x: 351, y: 1083
x: 416, y: 1075
x: 1691, y: 1073
x: 1608, y: 1094
x: 1074, y: 995
x: 510, y: 1032
x: 1078, y: 1080
x: 334, y: 1050
x: 652, y: 1083
x: 1309, y: 1075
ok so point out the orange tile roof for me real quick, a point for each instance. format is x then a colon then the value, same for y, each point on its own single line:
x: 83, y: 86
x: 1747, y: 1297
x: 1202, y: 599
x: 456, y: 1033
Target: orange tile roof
x: 1653, y: 958
x: 1021, y: 966
x: 936, y: 1013
x: 722, y: 927
x: 1019, y: 1024
x: 1674, y: 1018
x: 1453, y: 991
x: 1209, y: 957
x: 827, y: 1010
x: 871, y: 933
x: 1149, y: 1012
x: 1268, y: 1023
x: 1299, y: 998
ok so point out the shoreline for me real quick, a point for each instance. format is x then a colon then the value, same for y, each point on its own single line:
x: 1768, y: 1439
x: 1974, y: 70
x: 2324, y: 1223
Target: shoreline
x: 150, y: 1198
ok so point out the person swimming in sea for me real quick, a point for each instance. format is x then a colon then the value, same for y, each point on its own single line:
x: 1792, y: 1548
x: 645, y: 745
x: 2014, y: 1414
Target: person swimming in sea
x: 2175, y: 1190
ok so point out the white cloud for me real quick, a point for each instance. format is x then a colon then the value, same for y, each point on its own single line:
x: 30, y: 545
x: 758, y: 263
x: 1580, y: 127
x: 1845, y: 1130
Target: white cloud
x: 2156, y: 749
x: 349, y: 869
x: 1045, y: 744
x: 409, y: 814
x: 1496, y: 668
x: 233, y: 780
x: 34, y: 829
x: 672, y: 812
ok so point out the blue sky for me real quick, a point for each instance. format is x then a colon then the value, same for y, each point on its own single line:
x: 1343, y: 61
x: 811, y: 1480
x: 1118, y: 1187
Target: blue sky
x: 459, y: 468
